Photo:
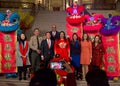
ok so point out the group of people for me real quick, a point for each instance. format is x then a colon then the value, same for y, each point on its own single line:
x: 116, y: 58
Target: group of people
x: 86, y: 53
x: 78, y: 52
x: 95, y: 77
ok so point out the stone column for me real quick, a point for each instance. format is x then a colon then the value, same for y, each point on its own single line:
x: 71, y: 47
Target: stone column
x: 43, y: 2
x: 118, y: 5
x: 65, y: 4
x: 69, y: 2
x: 80, y: 1
x: 46, y: 4
x: 49, y: 2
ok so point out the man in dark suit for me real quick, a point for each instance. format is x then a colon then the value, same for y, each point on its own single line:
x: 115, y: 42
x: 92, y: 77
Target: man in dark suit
x: 47, y: 49
x: 54, y: 33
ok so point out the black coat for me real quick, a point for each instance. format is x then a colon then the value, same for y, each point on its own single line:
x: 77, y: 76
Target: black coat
x: 46, y: 51
x: 56, y: 35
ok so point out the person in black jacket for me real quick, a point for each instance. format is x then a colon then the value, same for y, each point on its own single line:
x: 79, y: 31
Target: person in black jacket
x: 47, y: 49
x: 97, y: 77
x: 44, y: 77
x: 54, y: 33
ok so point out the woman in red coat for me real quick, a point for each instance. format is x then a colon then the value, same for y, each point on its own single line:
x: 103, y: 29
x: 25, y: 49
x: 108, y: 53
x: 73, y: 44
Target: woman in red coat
x: 97, y: 52
x: 62, y: 47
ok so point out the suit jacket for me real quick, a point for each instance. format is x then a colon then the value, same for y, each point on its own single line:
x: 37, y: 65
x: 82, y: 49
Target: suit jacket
x: 33, y: 42
x: 56, y: 35
x: 46, y: 51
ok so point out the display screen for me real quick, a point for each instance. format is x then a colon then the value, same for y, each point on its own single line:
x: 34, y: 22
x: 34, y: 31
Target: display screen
x: 56, y: 65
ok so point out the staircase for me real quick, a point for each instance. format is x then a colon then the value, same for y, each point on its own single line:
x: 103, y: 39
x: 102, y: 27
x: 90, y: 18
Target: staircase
x: 44, y: 20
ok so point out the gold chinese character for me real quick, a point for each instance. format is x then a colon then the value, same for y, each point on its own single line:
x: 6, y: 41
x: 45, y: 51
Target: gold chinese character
x: 7, y: 47
x: 110, y: 39
x: 110, y: 50
x: 7, y: 57
x: 7, y: 65
x: 74, y: 30
x: 7, y: 38
x: 111, y: 59
x: 111, y: 68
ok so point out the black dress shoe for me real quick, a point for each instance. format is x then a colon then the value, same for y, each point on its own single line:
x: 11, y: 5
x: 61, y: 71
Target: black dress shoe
x: 20, y: 78
x: 77, y: 78
x: 25, y: 78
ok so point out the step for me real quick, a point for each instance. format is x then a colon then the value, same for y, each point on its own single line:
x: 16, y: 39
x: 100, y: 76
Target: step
x: 26, y: 82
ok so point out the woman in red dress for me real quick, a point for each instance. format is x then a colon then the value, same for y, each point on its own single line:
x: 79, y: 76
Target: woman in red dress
x: 62, y: 47
x: 97, y: 52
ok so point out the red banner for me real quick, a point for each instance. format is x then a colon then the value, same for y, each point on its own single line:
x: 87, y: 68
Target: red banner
x: 8, y: 55
x: 0, y: 58
x: 111, y: 57
x: 73, y: 29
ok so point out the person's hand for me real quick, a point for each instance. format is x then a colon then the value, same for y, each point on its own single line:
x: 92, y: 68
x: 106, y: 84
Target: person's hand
x: 24, y: 56
x: 91, y: 59
x: 42, y: 58
x: 68, y: 62
x: 38, y: 51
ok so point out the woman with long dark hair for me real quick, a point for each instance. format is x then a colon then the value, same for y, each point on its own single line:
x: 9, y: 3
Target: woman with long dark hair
x: 75, y: 50
x: 22, y: 56
x: 97, y: 52
x: 86, y: 53
x: 62, y: 47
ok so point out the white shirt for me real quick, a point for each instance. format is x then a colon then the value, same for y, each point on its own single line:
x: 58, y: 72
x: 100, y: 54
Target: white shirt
x: 53, y: 33
x: 49, y: 42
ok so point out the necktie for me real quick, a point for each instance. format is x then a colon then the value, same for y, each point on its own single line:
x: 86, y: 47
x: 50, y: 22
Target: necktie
x: 49, y: 43
x: 38, y: 42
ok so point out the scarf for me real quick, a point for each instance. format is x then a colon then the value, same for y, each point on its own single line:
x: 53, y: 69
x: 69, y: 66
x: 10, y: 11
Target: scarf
x: 23, y: 51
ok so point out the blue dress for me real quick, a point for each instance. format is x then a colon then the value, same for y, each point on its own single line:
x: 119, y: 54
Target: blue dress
x: 75, y: 53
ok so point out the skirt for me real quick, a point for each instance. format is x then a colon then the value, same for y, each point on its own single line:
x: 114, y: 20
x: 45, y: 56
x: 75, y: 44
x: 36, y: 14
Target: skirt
x: 75, y: 60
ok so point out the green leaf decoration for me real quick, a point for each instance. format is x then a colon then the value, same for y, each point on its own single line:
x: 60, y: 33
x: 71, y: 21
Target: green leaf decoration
x: 7, y: 65
x: 74, y: 30
x: 7, y: 38
x: 111, y: 59
x: 92, y: 37
x: 111, y: 68
x: 111, y: 50
x: 7, y: 57
x: 7, y: 47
